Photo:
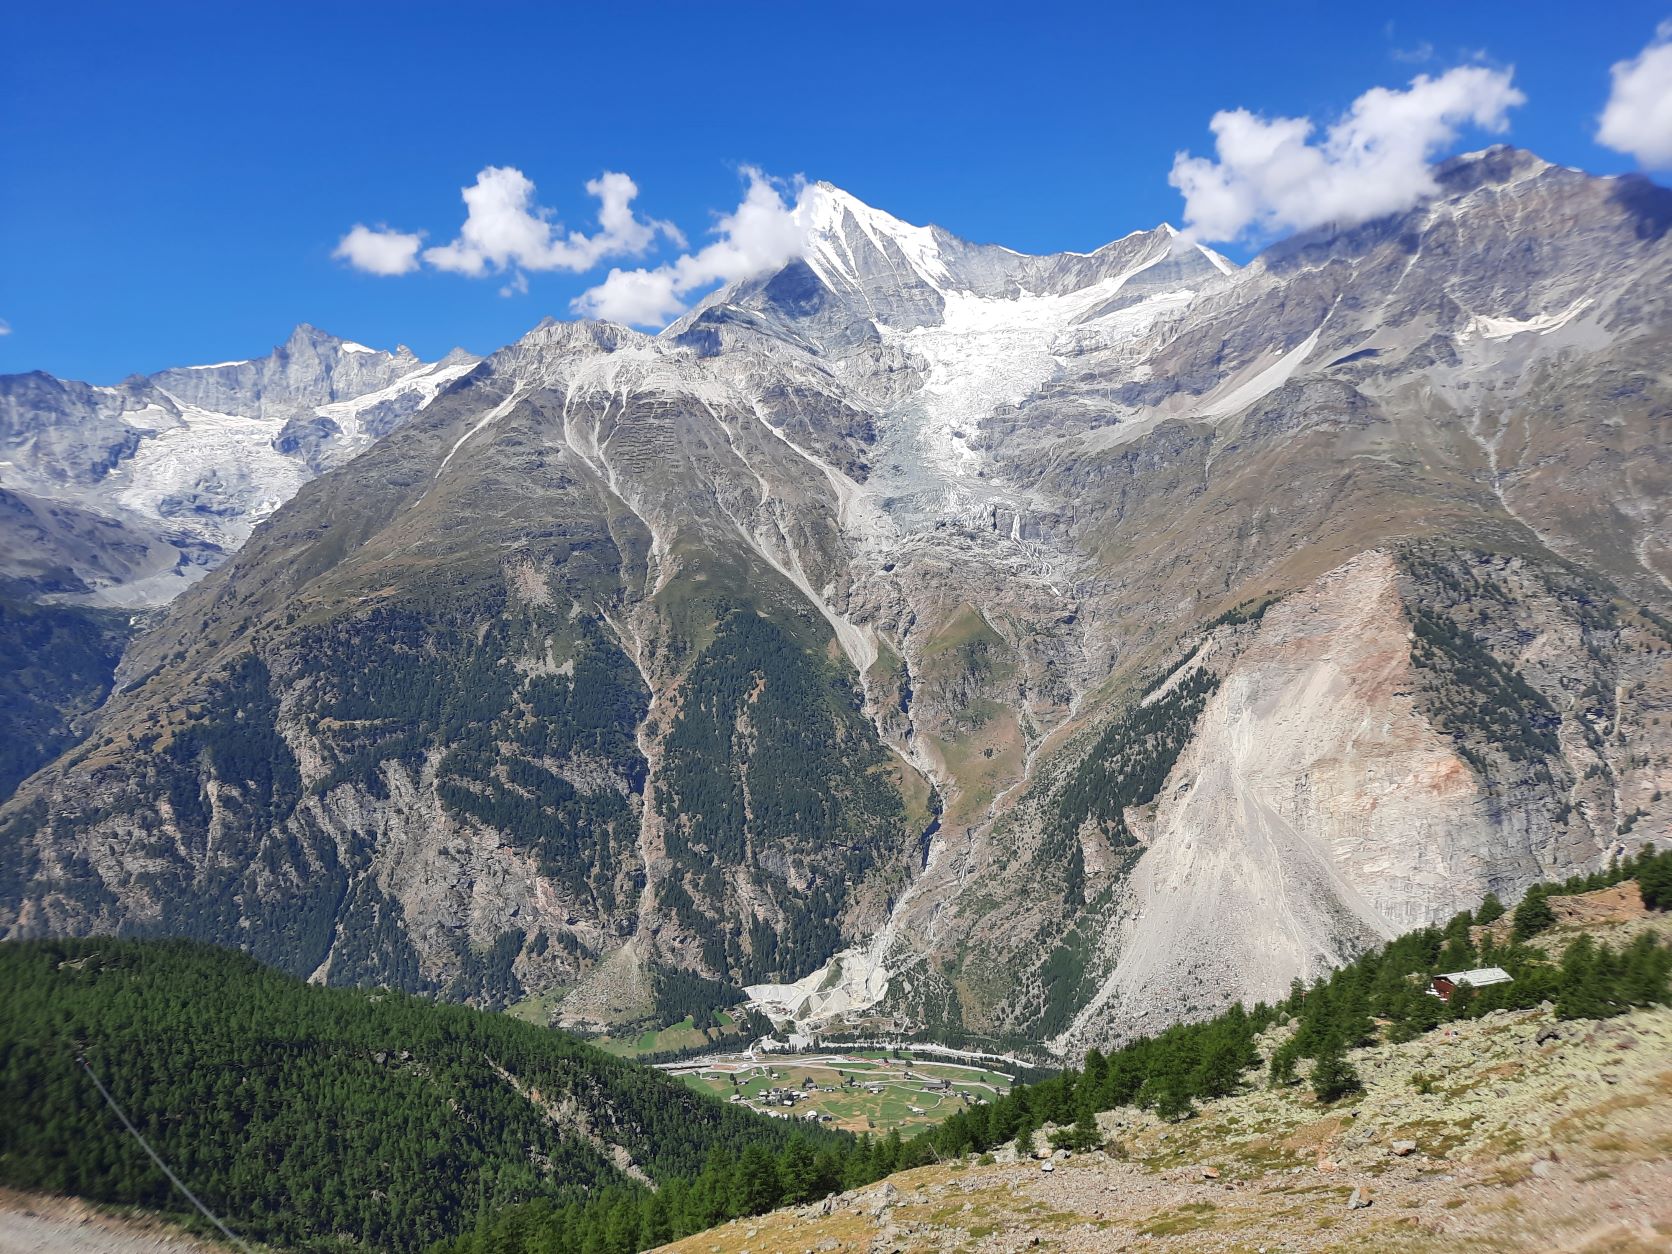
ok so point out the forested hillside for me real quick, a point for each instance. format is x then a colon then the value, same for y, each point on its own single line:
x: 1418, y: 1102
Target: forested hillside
x: 771, y: 767
x: 317, y: 1118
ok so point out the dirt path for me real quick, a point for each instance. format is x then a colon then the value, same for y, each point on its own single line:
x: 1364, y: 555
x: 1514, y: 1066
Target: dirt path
x: 30, y: 1224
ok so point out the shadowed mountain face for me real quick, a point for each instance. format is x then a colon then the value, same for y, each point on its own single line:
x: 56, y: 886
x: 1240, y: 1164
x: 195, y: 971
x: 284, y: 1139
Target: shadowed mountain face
x: 1038, y: 648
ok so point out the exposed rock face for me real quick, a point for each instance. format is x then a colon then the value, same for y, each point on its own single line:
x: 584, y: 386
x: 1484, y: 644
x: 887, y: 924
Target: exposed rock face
x: 1321, y: 805
x: 1050, y: 640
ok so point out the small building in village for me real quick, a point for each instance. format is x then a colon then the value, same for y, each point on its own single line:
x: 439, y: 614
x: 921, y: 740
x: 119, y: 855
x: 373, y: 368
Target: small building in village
x: 1443, y: 986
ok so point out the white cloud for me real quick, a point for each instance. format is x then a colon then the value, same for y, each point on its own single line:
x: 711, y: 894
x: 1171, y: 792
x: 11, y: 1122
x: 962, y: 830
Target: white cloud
x: 1270, y: 175
x: 638, y: 298
x: 5, y: 327
x: 760, y: 235
x: 504, y: 228
x: 1638, y: 117
x: 379, y: 250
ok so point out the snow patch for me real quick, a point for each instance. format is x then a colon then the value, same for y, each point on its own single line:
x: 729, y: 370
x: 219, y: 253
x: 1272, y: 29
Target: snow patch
x: 1218, y: 262
x: 426, y: 383
x: 493, y: 415
x: 1488, y: 328
x: 1267, y: 380
x: 829, y: 210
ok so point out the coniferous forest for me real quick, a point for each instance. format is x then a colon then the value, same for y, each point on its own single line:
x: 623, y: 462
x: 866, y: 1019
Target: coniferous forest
x: 321, y: 1118
x: 328, y: 1119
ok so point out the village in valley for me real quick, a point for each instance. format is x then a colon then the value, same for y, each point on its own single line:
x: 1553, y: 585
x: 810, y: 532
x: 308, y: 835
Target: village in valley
x: 878, y: 1090
x: 861, y: 1091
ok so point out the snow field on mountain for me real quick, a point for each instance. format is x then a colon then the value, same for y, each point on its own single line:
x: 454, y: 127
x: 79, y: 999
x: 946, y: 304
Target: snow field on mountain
x: 426, y: 383
x: 217, y: 474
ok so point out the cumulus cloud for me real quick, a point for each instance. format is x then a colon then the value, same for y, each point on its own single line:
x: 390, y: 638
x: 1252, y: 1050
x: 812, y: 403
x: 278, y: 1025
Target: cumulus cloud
x: 1638, y: 117
x: 1271, y: 175
x: 378, y: 250
x: 506, y: 229
x: 761, y: 234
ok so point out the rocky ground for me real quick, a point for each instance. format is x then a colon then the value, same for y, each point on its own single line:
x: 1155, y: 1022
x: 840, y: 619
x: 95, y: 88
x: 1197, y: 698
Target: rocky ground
x: 30, y: 1224
x: 1514, y: 1132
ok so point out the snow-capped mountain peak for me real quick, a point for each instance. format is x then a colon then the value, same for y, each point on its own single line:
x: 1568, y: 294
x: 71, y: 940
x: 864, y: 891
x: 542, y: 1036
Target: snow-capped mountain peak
x: 840, y: 225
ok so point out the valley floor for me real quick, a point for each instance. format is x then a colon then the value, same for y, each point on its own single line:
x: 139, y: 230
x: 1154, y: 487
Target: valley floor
x: 1520, y: 1144
x: 864, y: 1091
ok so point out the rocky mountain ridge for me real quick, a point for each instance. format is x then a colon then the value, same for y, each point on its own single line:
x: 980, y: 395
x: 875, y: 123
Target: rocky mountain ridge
x: 125, y: 495
x: 923, y: 625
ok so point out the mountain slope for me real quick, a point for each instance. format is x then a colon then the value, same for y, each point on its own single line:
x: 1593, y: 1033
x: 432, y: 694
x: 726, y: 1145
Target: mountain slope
x: 823, y: 639
x: 1518, y: 1146
x: 322, y: 1119
x: 1599, y: 952
x: 121, y: 497
x: 56, y: 666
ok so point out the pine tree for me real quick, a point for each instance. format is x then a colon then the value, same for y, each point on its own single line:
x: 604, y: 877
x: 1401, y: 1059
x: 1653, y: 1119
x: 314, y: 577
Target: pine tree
x: 1387, y: 991
x: 1221, y: 1067
x: 1491, y: 910
x: 1590, y: 983
x: 1333, y: 1076
x: 1645, y: 969
x: 1533, y: 916
x: 1093, y: 1073
x: 1168, y: 1091
x: 1082, y: 1137
x: 797, y: 1173
x: 1419, y: 1011
x: 1654, y: 879
x: 1283, y: 1059
x: 754, y: 1182
x: 1463, y: 1002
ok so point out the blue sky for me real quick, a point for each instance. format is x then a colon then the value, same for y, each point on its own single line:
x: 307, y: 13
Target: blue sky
x: 175, y: 177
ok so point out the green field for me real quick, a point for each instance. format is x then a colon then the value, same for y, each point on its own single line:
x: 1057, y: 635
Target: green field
x: 903, y: 1085
x: 538, y: 1009
x: 682, y: 1035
